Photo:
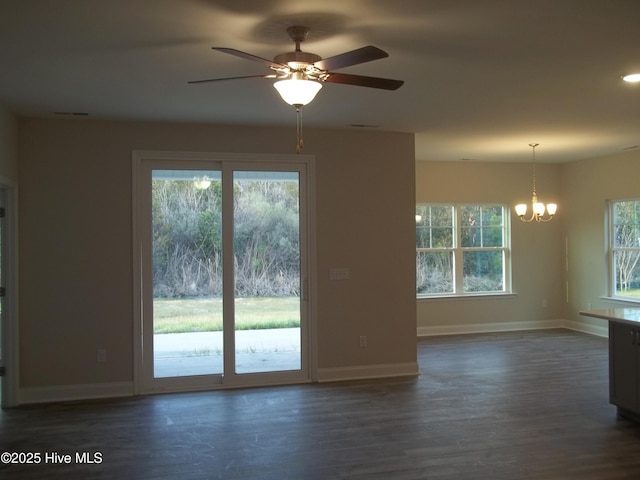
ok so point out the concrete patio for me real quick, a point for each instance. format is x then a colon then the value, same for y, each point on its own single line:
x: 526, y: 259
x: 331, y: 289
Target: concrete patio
x: 201, y: 353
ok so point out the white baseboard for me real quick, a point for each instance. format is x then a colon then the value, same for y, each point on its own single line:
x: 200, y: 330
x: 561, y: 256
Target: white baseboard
x: 598, y: 330
x: 601, y: 331
x: 367, y: 371
x: 67, y: 393
x: 487, y: 327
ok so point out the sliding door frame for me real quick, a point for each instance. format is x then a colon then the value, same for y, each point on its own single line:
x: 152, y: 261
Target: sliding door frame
x: 203, y: 160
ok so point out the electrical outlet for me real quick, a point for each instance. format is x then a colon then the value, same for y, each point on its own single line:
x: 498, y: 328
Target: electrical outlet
x: 338, y: 274
x: 544, y: 303
x: 101, y: 355
x: 363, y: 340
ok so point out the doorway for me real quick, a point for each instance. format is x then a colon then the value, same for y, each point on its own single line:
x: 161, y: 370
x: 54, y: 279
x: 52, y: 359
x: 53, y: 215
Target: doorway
x: 224, y: 268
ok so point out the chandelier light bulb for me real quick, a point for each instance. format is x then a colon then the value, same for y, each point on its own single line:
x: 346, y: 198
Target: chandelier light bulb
x: 538, y: 208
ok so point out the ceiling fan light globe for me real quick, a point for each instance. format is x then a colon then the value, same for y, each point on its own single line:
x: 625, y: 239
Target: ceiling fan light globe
x: 297, y: 92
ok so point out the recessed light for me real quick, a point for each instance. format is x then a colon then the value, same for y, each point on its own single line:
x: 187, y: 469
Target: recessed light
x: 632, y: 78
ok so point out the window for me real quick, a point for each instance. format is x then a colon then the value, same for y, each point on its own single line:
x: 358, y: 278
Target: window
x: 624, y: 248
x: 461, y: 250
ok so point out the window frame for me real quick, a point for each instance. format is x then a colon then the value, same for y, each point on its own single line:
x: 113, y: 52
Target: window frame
x: 610, y: 223
x: 457, y: 252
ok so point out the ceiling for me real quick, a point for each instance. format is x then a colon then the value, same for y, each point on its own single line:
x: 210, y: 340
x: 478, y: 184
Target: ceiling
x: 483, y: 78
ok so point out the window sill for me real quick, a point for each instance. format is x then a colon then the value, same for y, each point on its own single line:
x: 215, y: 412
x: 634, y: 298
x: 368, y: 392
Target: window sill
x: 628, y: 301
x: 479, y: 296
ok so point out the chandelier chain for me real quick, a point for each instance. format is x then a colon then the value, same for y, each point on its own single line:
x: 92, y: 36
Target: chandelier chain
x: 533, y: 146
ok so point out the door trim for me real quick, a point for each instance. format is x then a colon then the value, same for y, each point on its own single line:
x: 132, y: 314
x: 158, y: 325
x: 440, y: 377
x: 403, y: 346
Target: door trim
x: 10, y: 387
x: 263, y: 160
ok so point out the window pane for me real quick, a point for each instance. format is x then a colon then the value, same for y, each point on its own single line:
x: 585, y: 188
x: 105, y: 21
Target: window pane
x: 627, y: 272
x: 441, y: 215
x: 434, y: 226
x: 626, y: 219
x: 493, y: 226
x: 441, y: 237
x: 492, y: 237
x: 482, y: 271
x: 481, y: 226
x: 423, y: 233
x: 434, y: 272
x: 470, y: 227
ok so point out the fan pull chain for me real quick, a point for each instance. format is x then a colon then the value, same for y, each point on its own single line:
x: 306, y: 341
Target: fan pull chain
x: 300, y: 142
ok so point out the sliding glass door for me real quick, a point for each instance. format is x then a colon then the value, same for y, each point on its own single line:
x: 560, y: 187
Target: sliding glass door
x: 223, y: 265
x: 186, y: 261
x: 267, y: 273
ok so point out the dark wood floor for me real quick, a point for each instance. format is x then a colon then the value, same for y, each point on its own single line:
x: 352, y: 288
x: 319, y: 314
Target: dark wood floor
x: 522, y: 405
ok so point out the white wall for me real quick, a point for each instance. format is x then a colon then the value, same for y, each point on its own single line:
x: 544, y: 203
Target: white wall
x: 563, y: 261
x: 76, y: 258
x: 587, y: 185
x: 537, y: 249
x: 75, y: 243
x: 8, y: 145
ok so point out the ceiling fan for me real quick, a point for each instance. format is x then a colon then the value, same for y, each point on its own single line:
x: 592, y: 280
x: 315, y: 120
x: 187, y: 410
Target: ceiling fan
x: 301, y: 74
x: 299, y: 65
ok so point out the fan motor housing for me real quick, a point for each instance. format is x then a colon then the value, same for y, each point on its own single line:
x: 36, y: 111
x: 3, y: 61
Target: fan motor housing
x: 297, y: 60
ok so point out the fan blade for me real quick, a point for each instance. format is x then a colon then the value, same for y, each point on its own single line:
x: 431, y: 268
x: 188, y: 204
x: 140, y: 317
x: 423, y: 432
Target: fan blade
x: 361, y: 81
x: 248, y: 56
x: 232, y: 78
x: 354, y: 57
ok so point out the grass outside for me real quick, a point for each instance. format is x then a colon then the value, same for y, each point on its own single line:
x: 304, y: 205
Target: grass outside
x: 205, y: 314
x: 629, y: 293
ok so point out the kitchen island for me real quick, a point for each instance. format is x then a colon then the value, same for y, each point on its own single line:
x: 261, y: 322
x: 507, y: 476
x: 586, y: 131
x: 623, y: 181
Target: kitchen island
x: 624, y: 358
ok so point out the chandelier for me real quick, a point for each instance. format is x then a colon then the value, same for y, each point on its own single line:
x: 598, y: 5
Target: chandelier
x: 539, y: 211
